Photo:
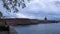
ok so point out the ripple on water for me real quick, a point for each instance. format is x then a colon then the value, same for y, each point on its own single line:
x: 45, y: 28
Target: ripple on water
x: 53, y: 28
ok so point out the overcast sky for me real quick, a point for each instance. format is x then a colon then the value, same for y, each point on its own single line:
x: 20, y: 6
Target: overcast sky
x: 37, y: 9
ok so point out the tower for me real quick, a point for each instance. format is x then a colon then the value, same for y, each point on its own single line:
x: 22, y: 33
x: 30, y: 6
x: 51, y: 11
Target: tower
x: 45, y: 18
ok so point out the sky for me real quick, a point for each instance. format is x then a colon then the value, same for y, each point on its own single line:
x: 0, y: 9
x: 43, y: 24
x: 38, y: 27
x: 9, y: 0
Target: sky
x: 36, y: 9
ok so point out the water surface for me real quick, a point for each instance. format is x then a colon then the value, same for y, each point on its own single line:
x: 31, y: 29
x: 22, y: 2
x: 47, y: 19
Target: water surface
x: 53, y: 28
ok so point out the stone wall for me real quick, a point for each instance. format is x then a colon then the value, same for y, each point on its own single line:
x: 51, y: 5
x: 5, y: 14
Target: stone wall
x: 12, y: 30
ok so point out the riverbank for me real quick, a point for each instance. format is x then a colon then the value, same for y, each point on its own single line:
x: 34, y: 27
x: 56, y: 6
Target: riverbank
x: 26, y: 21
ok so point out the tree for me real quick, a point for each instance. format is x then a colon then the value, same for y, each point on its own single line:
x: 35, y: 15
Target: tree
x: 1, y: 14
x: 13, y: 4
x: 2, y: 22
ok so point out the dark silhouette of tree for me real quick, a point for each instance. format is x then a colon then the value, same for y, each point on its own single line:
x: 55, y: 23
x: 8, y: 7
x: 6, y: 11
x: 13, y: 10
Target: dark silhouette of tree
x: 1, y: 14
x: 2, y: 21
x: 13, y: 4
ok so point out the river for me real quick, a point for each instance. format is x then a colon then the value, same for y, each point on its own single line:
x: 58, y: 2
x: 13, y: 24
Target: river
x: 53, y: 28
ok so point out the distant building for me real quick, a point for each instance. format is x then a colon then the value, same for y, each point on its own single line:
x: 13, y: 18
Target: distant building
x: 25, y: 21
x: 45, y: 18
x: 14, y: 21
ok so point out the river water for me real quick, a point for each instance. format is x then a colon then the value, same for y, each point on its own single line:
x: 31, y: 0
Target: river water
x: 53, y: 28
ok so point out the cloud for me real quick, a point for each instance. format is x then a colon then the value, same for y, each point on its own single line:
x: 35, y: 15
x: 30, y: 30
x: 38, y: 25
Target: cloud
x: 38, y: 9
x: 43, y: 5
x: 20, y: 15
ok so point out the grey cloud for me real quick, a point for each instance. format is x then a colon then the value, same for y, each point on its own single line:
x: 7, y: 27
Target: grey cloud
x: 57, y: 3
x: 37, y: 9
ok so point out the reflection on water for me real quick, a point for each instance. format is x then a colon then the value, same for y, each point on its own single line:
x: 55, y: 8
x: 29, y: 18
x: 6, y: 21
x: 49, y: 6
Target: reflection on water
x: 53, y: 28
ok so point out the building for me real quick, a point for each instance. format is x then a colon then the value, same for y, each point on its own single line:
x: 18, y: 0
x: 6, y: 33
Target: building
x: 45, y: 18
x: 18, y: 21
x: 25, y: 21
